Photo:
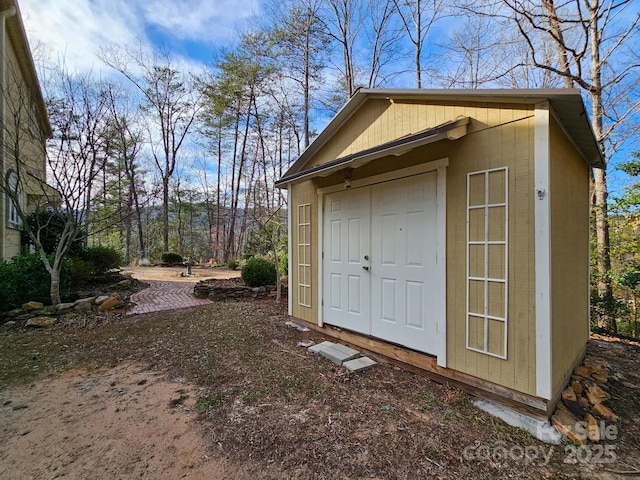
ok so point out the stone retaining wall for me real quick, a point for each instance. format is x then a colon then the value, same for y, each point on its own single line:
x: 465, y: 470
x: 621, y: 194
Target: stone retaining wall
x: 233, y: 289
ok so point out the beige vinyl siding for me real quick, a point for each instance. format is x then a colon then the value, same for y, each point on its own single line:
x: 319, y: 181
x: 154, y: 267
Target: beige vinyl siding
x: 499, y: 135
x: 381, y: 121
x: 569, y: 254
x: 21, y: 109
x: 502, y: 137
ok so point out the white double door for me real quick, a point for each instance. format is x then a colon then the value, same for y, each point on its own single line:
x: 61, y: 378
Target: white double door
x: 379, y: 267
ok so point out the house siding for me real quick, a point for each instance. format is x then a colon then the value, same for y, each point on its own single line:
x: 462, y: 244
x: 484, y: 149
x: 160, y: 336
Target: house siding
x: 302, y: 194
x: 569, y: 255
x: 505, y: 139
x: 21, y: 98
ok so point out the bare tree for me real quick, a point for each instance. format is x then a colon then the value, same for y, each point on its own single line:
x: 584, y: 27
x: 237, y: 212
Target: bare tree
x: 73, y: 159
x: 418, y: 17
x: 170, y: 101
x: 592, y: 39
x: 383, y: 39
x: 344, y: 25
x: 127, y: 143
x: 298, y: 32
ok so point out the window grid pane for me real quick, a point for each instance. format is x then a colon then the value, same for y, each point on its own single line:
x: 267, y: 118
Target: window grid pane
x: 487, y: 238
x: 304, y: 255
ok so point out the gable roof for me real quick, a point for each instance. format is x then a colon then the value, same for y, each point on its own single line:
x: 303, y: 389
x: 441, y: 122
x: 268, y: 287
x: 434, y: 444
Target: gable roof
x: 18, y: 36
x: 566, y: 103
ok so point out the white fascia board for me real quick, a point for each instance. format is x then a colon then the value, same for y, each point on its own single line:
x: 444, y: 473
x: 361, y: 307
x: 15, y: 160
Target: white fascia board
x: 542, y: 239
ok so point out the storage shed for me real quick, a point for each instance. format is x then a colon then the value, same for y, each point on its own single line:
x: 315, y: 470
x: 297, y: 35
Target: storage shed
x: 449, y: 230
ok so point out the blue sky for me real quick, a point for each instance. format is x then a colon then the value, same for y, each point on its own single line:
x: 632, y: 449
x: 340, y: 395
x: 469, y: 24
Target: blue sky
x: 190, y: 29
x: 75, y: 29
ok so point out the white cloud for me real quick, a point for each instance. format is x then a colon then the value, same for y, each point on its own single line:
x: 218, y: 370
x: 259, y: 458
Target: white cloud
x: 76, y: 29
x: 199, y: 20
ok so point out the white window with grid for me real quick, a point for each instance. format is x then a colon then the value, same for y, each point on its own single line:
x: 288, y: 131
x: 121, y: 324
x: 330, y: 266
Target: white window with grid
x: 304, y: 255
x: 13, y: 193
x: 487, y: 256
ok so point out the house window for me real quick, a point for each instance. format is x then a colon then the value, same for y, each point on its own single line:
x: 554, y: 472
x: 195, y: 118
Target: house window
x: 34, y: 127
x: 13, y: 194
x: 304, y: 255
x: 487, y: 255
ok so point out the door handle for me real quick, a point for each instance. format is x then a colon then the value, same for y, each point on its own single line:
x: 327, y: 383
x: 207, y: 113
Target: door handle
x: 365, y: 267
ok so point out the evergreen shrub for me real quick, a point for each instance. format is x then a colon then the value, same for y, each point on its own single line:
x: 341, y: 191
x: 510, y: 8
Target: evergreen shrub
x: 259, y: 272
x: 171, y: 258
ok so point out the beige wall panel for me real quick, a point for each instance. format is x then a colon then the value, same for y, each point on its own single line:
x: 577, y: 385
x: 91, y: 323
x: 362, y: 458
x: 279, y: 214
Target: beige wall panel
x: 18, y: 101
x: 12, y: 242
x: 569, y: 254
x: 507, y: 145
x: 381, y: 121
x: 522, y: 272
x: 303, y: 193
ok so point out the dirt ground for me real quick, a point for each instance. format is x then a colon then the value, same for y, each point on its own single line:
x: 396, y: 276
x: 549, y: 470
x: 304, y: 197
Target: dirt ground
x: 116, y: 423
x: 177, y: 274
x: 224, y: 391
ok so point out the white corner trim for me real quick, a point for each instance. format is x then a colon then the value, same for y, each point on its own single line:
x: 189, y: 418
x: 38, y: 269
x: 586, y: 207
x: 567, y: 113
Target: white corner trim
x: 320, y: 242
x: 289, y: 250
x: 542, y: 239
x: 441, y: 263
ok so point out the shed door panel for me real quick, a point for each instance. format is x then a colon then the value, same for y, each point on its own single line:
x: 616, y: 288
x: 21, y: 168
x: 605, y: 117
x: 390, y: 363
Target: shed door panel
x: 380, y: 261
x: 346, y: 243
x: 403, y: 262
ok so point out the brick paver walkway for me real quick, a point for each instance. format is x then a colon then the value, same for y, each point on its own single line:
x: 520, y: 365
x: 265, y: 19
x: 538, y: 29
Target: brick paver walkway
x: 162, y: 296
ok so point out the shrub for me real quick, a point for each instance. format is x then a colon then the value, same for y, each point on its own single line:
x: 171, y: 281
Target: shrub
x: 24, y: 278
x: 171, y: 258
x: 81, y: 272
x: 284, y: 264
x: 259, y: 272
x: 102, y: 259
x: 233, y: 264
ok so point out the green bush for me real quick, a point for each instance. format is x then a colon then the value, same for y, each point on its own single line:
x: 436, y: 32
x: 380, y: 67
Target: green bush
x: 102, y: 259
x: 81, y: 271
x: 25, y: 278
x: 258, y: 272
x: 171, y: 258
x: 233, y: 264
x: 284, y: 264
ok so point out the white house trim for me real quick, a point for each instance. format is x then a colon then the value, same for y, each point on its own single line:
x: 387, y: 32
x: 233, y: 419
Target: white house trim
x: 320, y: 243
x: 542, y: 241
x: 289, y: 253
x: 441, y: 260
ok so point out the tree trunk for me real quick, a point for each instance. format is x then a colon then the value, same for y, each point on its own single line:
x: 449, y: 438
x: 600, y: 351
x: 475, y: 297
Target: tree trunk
x: 127, y: 233
x: 418, y: 44
x: 54, y: 291
x: 165, y: 213
x: 559, y: 42
x: 218, y: 213
x: 605, y: 290
x: 603, y: 263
